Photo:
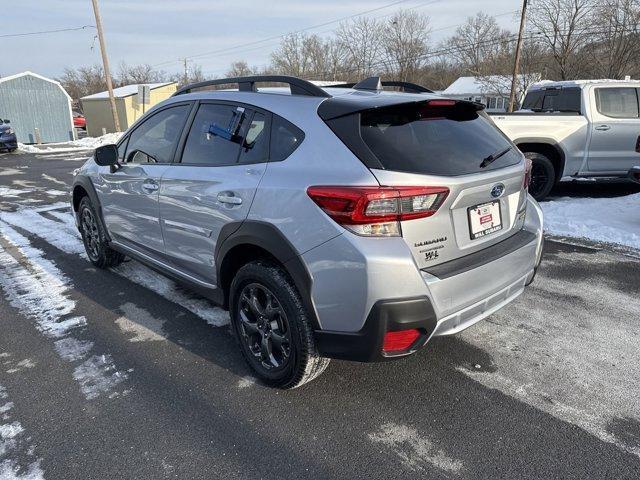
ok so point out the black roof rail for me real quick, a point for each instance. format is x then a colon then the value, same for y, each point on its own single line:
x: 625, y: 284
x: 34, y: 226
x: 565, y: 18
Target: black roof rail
x: 248, y: 84
x: 407, y: 87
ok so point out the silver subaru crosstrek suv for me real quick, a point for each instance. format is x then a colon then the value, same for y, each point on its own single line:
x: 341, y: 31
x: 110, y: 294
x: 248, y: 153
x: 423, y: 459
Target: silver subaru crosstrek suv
x: 351, y: 222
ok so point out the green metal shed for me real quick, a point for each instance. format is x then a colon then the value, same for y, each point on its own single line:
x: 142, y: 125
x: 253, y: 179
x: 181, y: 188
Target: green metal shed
x: 31, y: 101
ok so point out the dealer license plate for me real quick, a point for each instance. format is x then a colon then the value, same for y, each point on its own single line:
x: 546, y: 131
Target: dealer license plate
x: 484, y: 219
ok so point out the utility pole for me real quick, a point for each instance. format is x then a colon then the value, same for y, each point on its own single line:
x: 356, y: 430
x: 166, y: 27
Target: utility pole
x: 516, y: 63
x: 105, y: 63
x: 185, y: 79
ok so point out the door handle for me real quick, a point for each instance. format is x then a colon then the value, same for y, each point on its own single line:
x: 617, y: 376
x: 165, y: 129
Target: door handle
x: 603, y: 128
x: 230, y: 198
x: 150, y: 186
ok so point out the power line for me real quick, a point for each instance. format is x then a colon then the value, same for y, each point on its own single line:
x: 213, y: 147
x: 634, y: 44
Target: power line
x: 276, y: 37
x: 43, y: 32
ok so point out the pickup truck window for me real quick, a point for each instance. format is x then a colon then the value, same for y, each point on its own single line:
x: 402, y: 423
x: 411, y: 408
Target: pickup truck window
x: 553, y: 100
x: 617, y: 102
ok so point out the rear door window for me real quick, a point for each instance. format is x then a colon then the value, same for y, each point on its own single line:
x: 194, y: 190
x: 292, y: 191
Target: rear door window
x: 216, y: 135
x: 617, y: 102
x: 255, y: 147
x: 435, y: 140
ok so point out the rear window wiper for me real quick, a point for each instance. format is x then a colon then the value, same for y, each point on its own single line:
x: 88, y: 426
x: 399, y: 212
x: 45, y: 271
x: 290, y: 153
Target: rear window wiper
x: 493, y: 157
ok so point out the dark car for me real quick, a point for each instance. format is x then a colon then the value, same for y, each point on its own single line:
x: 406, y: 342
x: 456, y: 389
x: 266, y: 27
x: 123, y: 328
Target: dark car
x: 79, y: 121
x: 8, y: 139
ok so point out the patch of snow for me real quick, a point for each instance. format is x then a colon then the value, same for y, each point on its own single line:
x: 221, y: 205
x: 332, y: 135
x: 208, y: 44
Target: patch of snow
x: 72, y: 349
x: 143, y: 326
x: 609, y: 220
x: 98, y: 375
x: 246, y: 382
x: 415, y: 451
x: 14, y: 442
x: 65, y: 236
x: 87, y: 143
x: 39, y: 290
x: 53, y: 179
x: 568, y: 347
x: 12, y: 192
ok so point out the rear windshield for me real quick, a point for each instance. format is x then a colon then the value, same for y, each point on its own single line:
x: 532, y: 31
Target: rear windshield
x: 447, y: 141
x: 553, y: 100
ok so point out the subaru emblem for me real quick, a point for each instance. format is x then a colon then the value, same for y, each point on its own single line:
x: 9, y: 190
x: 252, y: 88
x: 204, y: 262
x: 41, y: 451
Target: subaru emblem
x: 497, y: 190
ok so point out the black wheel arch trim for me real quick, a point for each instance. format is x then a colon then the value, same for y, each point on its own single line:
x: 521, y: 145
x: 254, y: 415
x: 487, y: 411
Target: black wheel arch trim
x: 267, y: 237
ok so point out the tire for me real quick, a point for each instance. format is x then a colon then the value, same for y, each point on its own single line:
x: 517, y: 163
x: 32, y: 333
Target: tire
x: 94, y: 237
x: 543, y: 175
x: 266, y: 306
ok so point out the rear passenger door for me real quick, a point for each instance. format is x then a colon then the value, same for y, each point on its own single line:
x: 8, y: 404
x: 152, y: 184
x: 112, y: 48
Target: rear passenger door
x: 224, y: 156
x: 129, y: 195
x: 615, y: 130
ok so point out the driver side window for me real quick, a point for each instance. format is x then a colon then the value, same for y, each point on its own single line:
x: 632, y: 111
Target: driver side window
x: 154, y: 141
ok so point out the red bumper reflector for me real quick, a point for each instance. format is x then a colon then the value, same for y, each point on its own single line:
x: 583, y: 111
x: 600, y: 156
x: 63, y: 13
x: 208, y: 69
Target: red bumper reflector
x: 401, y: 340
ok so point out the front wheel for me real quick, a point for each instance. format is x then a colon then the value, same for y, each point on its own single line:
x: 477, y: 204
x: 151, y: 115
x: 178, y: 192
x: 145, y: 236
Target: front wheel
x: 272, y: 327
x: 543, y: 175
x: 94, y: 237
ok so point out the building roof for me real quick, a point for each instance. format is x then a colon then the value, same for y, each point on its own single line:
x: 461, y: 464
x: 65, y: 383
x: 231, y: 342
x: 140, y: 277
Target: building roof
x: 126, y: 91
x: 31, y: 74
x: 492, y: 84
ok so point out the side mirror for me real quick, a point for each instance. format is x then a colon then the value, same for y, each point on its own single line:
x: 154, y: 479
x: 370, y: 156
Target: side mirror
x: 106, y: 155
x: 634, y: 174
x: 6, y: 120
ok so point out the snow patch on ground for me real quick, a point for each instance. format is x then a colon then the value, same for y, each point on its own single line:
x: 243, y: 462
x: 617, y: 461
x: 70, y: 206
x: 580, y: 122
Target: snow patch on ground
x: 416, y: 452
x: 39, y: 290
x: 246, y: 382
x: 13, y: 445
x: 98, y: 375
x: 575, y: 357
x: 75, y: 145
x: 610, y: 220
x: 140, y: 324
x: 64, y: 235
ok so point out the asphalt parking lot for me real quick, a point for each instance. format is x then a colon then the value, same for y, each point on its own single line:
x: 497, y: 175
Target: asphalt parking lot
x: 123, y: 374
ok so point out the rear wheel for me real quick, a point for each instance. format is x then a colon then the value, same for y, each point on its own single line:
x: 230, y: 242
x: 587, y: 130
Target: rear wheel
x: 94, y: 237
x: 272, y: 327
x: 543, y: 175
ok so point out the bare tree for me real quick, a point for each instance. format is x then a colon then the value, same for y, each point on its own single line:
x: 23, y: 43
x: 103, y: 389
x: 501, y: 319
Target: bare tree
x: 143, y: 73
x: 563, y: 26
x: 615, y: 49
x: 480, y: 45
x: 83, y: 81
x: 362, y: 42
x: 240, y: 68
x: 405, y: 39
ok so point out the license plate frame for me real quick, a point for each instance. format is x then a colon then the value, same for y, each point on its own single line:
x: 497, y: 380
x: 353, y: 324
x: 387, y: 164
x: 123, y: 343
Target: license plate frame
x: 477, y: 217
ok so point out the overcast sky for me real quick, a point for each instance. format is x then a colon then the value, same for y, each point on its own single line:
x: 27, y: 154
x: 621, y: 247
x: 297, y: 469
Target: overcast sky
x: 159, y: 31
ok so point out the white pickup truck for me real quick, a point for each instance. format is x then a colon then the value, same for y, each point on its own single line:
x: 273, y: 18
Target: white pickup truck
x: 577, y: 130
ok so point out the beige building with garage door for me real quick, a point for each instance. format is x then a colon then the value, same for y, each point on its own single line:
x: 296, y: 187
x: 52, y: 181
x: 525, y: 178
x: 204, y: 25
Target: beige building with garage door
x: 97, y: 108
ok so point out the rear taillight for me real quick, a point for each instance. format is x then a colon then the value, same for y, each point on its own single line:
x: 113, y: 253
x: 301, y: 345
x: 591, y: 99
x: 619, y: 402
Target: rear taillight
x: 377, y: 211
x: 527, y: 173
x: 400, y: 340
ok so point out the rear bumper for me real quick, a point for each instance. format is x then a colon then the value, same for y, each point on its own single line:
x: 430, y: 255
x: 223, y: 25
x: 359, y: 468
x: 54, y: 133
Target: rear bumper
x: 465, y: 292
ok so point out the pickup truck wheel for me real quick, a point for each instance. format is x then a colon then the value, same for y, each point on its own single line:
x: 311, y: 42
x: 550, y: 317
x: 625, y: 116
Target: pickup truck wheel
x: 272, y: 327
x: 543, y: 175
x: 94, y: 238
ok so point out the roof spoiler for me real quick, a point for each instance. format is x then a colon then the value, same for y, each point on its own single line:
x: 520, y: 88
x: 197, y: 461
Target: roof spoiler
x: 248, y: 84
